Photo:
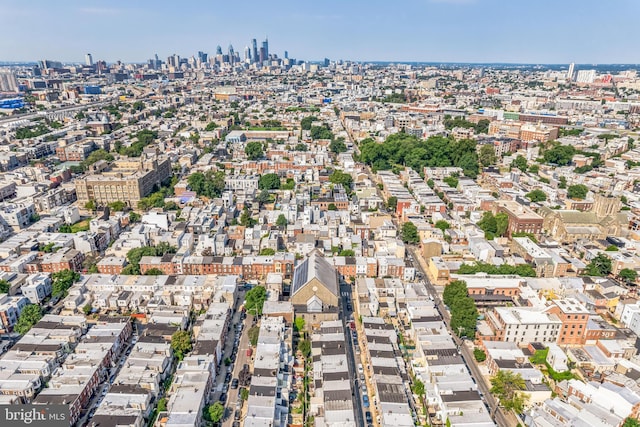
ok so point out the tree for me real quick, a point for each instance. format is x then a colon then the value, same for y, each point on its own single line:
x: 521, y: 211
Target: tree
x: 452, y: 181
x: 4, y: 286
x: 62, y: 281
x: 520, y: 162
x: 442, y: 225
x: 282, y: 221
x: 577, y: 192
x: 134, y: 217
x: 488, y: 224
x: 210, y: 184
x: 410, y: 233
x: 612, y: 248
x: 321, y: 132
x: 628, y: 275
x: 254, y: 300
x: 154, y: 272
x: 181, y: 343
x: 254, y: 150
x: 392, y: 202
x: 210, y: 126
x: 339, y: 177
x: 479, y: 355
x: 487, y: 156
x: 263, y: 197
x: 560, y: 155
x: 213, y: 413
x: 246, y: 220
x: 29, y: 316
x: 332, y: 207
x: 534, y: 169
x: 118, y: 206
x: 298, y: 324
x: 338, y: 146
x: 305, y: 347
x: 87, y: 309
x: 347, y: 252
x: 305, y: 123
x: 508, y: 387
x: 253, y: 333
x: 631, y: 422
x: 502, y: 223
x: 269, y: 181
x: 536, y: 195
x: 418, y: 387
x: 599, y: 266
x: 244, y: 394
x: 562, y: 183
x: 162, y: 404
x: 90, y: 205
x: 268, y: 251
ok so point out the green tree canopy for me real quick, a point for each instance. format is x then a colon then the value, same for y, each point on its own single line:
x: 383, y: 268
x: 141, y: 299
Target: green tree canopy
x: 269, y: 181
x: 254, y: 300
x: 4, y: 286
x: 628, y: 275
x: 520, y: 162
x: 306, y: 122
x: 253, y: 334
x: 392, y: 202
x: 321, y: 132
x: 508, y: 387
x: 560, y: 155
x: 29, y: 316
x: 154, y: 272
x: 267, y: 251
x: 599, y: 266
x: 487, y: 156
x: 254, y: 150
x: 118, y: 206
x: 213, y: 413
x: 282, y: 221
x: 410, y: 233
x: 577, y: 192
x: 442, y: 225
x: 407, y: 150
x: 209, y: 184
x: 181, y: 344
x: 210, y: 126
x: 62, y: 281
x: 339, y: 177
x: 338, y: 145
x: 536, y: 195
x: 305, y: 347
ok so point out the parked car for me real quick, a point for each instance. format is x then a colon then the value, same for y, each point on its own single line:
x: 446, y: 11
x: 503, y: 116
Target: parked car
x: 223, y: 397
x: 365, y: 401
x: 367, y: 416
x: 234, y: 383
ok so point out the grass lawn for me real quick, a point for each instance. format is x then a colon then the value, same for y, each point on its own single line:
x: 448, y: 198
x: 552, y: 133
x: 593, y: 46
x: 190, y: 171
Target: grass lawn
x: 80, y: 226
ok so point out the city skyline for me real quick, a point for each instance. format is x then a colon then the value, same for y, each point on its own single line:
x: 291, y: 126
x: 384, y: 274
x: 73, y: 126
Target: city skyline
x: 457, y: 31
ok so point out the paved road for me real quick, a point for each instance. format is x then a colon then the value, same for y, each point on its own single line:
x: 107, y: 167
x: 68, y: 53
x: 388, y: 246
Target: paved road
x: 345, y: 292
x: 502, y: 419
x: 241, y: 359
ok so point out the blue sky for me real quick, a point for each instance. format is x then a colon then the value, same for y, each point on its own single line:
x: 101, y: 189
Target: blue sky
x: 529, y: 31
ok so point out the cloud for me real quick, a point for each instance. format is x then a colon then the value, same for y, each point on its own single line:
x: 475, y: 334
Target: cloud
x: 99, y: 11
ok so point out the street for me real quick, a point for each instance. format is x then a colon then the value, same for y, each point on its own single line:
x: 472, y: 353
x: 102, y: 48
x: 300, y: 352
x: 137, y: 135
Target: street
x: 345, y: 291
x: 502, y: 419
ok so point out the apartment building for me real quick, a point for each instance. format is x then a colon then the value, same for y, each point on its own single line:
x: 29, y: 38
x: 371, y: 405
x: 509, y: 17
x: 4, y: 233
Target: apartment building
x: 127, y: 181
x: 521, y: 218
x: 574, y: 317
x: 520, y: 325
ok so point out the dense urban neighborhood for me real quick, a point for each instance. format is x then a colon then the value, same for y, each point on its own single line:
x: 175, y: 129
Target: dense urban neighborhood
x: 242, y: 239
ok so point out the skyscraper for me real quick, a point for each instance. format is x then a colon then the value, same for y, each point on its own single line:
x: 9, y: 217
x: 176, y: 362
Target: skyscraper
x: 570, y: 72
x: 88, y: 59
x: 265, y: 46
x: 254, y: 43
x: 286, y: 55
x: 219, y: 50
x: 8, y: 81
x: 247, y: 54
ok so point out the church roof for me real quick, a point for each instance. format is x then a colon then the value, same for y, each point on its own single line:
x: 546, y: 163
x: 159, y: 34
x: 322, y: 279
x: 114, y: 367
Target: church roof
x: 315, y: 266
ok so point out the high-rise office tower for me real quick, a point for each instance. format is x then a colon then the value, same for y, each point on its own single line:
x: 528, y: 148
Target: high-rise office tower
x: 265, y: 46
x: 247, y: 54
x: 570, y: 72
x: 218, y: 50
x: 88, y: 59
x: 286, y: 55
x: 254, y: 53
